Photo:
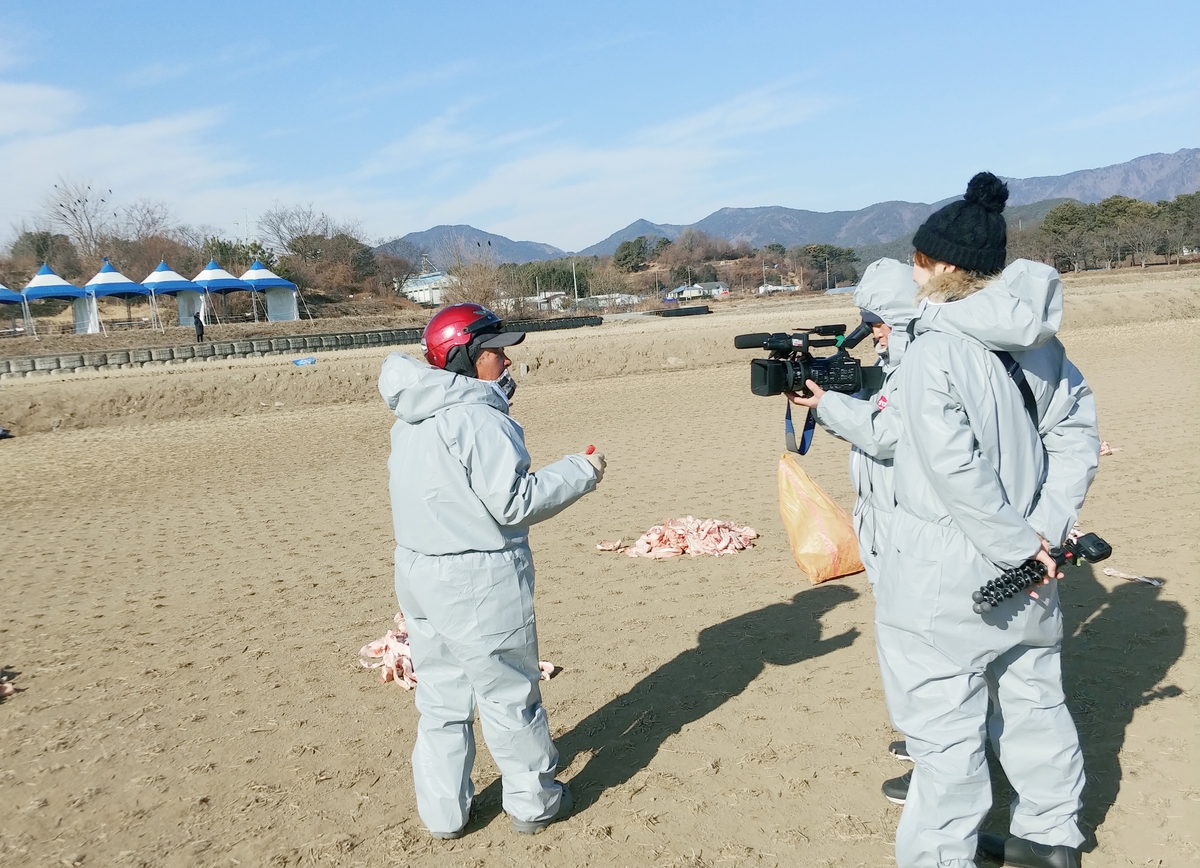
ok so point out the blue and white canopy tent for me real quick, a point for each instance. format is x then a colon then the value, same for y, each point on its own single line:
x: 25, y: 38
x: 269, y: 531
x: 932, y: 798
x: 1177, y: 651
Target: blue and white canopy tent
x: 216, y: 279
x: 47, y: 284
x: 7, y: 296
x: 189, y: 295
x: 110, y: 283
x: 278, y: 293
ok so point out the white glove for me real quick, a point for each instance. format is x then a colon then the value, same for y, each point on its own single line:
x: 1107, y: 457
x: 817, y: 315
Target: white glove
x: 596, y: 459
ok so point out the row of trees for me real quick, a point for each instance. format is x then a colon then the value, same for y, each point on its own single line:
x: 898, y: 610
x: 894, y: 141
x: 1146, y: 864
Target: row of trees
x: 339, y: 270
x: 331, y: 260
x: 696, y: 257
x: 1117, y: 231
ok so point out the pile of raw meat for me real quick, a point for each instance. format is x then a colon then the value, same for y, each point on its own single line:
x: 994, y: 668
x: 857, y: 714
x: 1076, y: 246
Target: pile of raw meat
x: 687, y: 536
x: 393, y: 656
x: 394, y: 659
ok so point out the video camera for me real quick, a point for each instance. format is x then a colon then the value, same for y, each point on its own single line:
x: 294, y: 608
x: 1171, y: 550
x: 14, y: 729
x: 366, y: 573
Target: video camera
x: 791, y: 363
x: 1088, y: 547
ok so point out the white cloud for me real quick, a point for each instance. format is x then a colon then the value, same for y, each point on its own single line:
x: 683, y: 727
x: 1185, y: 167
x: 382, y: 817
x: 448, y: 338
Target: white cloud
x: 535, y: 184
x: 573, y: 195
x: 34, y: 108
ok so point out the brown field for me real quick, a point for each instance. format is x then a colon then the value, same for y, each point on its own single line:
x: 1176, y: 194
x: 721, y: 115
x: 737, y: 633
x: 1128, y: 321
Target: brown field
x: 192, y: 557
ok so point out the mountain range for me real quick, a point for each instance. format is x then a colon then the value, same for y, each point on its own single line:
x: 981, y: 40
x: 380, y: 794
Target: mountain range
x: 1151, y: 178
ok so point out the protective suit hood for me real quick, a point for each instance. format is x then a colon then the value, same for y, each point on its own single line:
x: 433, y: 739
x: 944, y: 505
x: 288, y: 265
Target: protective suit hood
x: 415, y: 391
x: 1017, y: 311
x: 888, y: 290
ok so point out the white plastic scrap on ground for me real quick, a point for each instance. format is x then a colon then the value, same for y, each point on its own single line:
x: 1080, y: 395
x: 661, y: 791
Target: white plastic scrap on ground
x: 688, y: 535
x: 393, y: 657
x: 1146, y: 580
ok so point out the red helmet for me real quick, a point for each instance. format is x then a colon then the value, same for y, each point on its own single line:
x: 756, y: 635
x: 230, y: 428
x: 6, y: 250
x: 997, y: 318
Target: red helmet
x: 470, y: 326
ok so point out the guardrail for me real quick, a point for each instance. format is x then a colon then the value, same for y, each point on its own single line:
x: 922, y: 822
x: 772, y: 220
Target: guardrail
x: 150, y: 357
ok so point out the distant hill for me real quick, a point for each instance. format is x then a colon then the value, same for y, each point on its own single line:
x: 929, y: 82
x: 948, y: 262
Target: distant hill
x: 1149, y: 178
x: 884, y: 226
x: 445, y: 244
x: 901, y: 248
x: 637, y: 228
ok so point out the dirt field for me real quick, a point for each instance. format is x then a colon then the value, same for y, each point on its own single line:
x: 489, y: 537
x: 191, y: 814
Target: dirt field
x: 192, y: 557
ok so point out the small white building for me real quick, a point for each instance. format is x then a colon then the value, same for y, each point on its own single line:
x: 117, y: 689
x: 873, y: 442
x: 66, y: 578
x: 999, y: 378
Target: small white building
x: 611, y: 300
x: 711, y: 289
x: 543, y: 301
x: 429, y: 288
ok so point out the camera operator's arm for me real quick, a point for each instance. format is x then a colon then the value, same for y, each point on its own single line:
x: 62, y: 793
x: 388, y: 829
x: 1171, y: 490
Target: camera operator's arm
x: 863, y: 423
x: 944, y: 445
x: 1072, y: 443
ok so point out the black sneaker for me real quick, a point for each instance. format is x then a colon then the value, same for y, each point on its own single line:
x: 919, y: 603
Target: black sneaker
x: 899, y: 749
x: 532, y: 827
x: 1025, y: 854
x: 896, y: 790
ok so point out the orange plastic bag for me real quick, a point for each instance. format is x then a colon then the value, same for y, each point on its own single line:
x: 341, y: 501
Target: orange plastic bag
x: 820, y: 532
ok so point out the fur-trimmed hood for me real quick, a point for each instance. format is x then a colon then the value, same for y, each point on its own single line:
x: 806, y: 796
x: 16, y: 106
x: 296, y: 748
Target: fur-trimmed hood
x: 1019, y: 309
x: 953, y: 286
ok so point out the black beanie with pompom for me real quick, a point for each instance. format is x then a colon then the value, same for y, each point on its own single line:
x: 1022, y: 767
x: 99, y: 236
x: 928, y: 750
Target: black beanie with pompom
x: 971, y: 232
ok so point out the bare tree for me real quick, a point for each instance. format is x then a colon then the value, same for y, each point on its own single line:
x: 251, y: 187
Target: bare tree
x: 475, y: 268
x: 282, y: 224
x: 146, y: 218
x: 85, y: 214
x: 279, y: 225
x: 193, y: 236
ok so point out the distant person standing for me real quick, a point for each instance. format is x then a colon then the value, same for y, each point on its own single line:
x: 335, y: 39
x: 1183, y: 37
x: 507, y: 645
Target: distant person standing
x: 199, y: 323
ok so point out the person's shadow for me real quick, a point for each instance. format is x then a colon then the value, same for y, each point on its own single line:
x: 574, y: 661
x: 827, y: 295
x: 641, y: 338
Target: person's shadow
x: 1118, y: 647
x: 625, y: 735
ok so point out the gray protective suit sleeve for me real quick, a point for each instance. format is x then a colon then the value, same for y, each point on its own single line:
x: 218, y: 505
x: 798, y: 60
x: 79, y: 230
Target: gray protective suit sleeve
x: 944, y: 445
x: 860, y: 423
x: 1072, y: 442
x: 460, y: 472
x: 497, y: 467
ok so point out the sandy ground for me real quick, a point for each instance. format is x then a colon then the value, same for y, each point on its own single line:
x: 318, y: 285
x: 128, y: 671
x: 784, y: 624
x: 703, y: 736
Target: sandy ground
x: 192, y: 557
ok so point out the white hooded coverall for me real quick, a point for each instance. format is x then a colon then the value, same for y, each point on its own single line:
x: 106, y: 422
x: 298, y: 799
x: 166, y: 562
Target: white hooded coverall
x: 976, y: 484
x: 463, y: 499
x: 872, y: 426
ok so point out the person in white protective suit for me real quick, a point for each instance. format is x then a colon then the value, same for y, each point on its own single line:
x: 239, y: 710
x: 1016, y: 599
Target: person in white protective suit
x: 463, y: 498
x: 989, y: 473
x: 886, y: 295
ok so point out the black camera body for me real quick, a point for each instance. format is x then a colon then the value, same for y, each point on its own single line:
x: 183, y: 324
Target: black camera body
x: 791, y: 362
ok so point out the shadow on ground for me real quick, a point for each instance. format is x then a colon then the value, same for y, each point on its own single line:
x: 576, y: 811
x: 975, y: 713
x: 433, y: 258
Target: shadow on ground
x: 1119, y: 646
x: 624, y: 735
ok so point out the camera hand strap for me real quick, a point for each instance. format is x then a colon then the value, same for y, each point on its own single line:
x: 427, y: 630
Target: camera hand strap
x: 806, y: 435
x: 1018, y: 377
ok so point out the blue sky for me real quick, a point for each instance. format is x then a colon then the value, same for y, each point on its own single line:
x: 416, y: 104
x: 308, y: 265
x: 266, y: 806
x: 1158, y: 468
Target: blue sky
x: 564, y: 122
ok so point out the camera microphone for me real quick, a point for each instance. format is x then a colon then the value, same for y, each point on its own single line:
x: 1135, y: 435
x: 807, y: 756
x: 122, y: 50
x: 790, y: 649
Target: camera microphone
x: 751, y: 342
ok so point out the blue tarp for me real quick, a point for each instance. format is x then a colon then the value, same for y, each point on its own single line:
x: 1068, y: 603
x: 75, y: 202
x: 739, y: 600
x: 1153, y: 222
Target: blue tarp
x: 47, y: 284
x: 164, y: 281
x: 214, y: 278
x: 109, y: 282
x: 261, y: 277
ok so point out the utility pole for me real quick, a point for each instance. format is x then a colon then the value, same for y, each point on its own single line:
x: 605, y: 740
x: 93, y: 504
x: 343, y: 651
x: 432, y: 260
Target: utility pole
x: 826, y: 273
x: 575, y: 281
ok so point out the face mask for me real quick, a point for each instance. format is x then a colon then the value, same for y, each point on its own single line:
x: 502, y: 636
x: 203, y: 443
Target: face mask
x: 506, y: 385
